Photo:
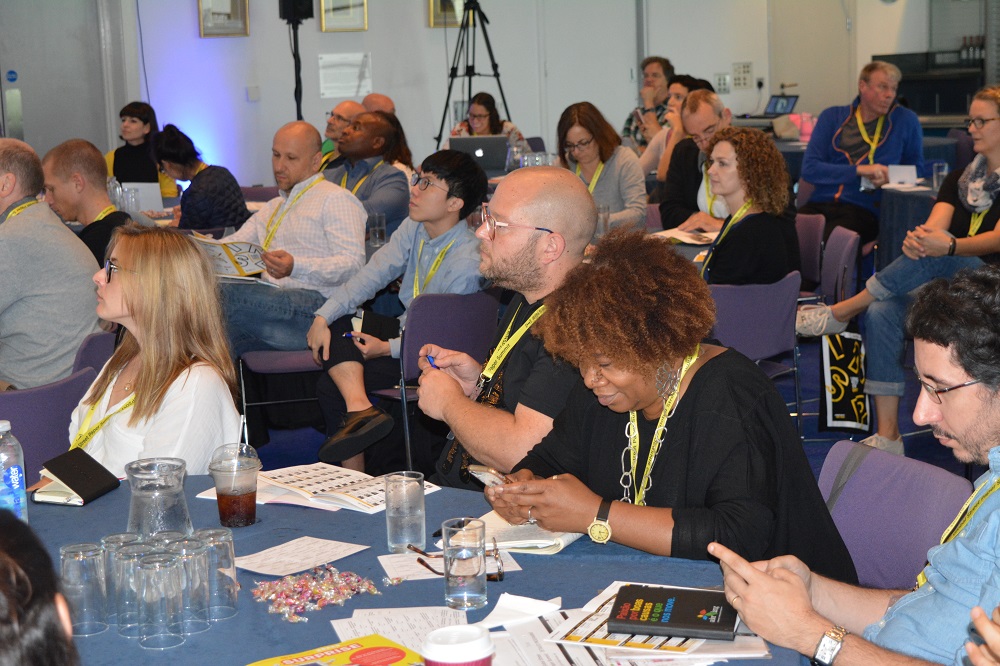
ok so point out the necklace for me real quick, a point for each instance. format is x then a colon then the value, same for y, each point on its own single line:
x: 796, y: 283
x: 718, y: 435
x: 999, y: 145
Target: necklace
x: 631, y: 450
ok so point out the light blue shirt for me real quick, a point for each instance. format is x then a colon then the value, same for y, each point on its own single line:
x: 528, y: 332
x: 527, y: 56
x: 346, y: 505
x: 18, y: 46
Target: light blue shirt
x: 932, y: 622
x: 457, y: 274
x: 385, y: 188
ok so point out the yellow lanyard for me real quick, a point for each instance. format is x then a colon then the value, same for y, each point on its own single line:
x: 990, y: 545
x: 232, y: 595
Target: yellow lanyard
x: 872, y: 143
x: 86, y: 433
x: 329, y: 157
x: 654, y: 448
x: 963, y: 518
x: 354, y: 190
x: 507, y: 343
x: 709, y: 195
x: 17, y: 211
x: 104, y: 213
x: 735, y: 219
x: 593, y: 179
x: 272, y: 226
x: 417, y: 287
x: 976, y: 222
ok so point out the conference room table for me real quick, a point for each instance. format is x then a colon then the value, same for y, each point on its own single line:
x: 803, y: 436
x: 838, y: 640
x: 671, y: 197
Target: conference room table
x: 936, y: 149
x: 576, y: 574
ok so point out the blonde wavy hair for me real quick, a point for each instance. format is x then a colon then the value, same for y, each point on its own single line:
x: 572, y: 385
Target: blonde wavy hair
x: 171, y: 292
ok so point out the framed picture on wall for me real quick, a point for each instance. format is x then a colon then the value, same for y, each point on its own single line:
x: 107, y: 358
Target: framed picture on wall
x: 224, y: 18
x: 343, y: 15
x: 444, y: 13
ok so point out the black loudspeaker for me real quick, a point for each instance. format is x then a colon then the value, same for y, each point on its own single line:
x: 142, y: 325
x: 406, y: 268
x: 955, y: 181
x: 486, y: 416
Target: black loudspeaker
x: 295, y: 10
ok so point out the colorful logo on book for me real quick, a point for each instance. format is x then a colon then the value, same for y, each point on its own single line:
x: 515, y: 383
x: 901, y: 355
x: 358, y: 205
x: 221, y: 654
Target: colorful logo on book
x: 710, y: 615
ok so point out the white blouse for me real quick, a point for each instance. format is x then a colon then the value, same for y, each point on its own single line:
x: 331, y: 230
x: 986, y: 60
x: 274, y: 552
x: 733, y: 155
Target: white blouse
x: 196, y: 416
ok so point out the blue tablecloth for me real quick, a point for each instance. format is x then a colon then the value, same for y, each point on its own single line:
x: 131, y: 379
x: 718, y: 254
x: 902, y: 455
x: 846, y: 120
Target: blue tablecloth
x: 936, y: 149
x: 577, y: 574
x: 900, y: 212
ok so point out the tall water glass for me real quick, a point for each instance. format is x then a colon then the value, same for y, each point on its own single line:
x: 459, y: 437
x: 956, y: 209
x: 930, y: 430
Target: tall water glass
x: 464, y: 563
x: 110, y: 544
x: 193, y: 556
x: 404, y: 510
x: 939, y: 173
x: 161, y: 584
x: 125, y: 562
x: 376, y: 229
x: 222, y: 585
x: 83, y: 585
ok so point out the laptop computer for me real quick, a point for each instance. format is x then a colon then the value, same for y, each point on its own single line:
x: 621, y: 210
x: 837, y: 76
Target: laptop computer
x: 490, y: 152
x: 778, y: 105
x: 149, y: 196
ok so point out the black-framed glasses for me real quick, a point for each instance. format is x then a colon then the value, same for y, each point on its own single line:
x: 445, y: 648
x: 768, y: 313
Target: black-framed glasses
x: 579, y: 145
x: 336, y: 116
x: 979, y: 122
x: 421, y: 183
x: 492, y: 223
x: 494, y: 553
x: 935, y: 393
x: 110, y: 268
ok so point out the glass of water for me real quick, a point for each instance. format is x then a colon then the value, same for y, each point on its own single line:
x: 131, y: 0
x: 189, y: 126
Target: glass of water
x: 404, y: 510
x: 464, y: 563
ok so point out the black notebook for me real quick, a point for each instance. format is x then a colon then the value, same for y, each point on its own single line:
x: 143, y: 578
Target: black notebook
x: 673, y: 611
x: 76, y: 478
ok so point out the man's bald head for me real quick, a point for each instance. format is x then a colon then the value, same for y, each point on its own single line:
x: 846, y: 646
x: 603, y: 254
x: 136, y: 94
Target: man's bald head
x: 20, y: 171
x: 295, y: 154
x: 379, y: 102
x: 553, y: 198
x: 341, y: 117
x: 301, y: 132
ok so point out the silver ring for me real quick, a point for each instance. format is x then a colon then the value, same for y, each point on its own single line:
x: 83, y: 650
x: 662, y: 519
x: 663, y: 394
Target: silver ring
x: 531, y: 521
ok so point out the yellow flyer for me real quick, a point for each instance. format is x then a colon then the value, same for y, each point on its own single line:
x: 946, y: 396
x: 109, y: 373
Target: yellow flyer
x: 371, y: 650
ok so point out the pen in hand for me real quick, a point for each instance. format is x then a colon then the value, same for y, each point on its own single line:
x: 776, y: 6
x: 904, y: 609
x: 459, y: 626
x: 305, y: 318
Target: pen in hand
x: 360, y: 339
x: 430, y: 359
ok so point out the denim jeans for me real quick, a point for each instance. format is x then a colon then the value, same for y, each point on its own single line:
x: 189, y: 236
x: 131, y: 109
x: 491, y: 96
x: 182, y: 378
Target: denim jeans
x: 260, y: 317
x: 885, y: 341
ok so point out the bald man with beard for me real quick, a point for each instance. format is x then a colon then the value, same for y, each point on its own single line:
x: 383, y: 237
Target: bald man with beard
x: 535, y: 231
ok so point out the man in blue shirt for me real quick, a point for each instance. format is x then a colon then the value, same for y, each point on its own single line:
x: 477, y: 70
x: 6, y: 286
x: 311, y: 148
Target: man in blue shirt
x: 435, y: 252
x: 956, y: 344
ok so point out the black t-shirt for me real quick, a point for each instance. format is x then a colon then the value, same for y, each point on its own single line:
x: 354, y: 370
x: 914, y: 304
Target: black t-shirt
x: 97, y: 235
x: 761, y: 249
x: 962, y: 217
x: 134, y: 164
x: 731, y: 467
x: 529, y: 376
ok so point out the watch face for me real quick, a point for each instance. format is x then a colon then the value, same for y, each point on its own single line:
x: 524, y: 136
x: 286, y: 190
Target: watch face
x: 599, y: 532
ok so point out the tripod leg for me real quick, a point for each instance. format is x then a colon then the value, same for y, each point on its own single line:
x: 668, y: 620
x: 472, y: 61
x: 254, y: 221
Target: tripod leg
x: 493, y: 61
x: 452, y: 75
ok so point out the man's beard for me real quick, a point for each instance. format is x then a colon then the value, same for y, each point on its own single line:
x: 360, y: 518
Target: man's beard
x: 520, y: 273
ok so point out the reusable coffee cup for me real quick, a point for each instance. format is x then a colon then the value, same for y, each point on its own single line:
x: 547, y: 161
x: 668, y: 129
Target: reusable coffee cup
x: 459, y: 645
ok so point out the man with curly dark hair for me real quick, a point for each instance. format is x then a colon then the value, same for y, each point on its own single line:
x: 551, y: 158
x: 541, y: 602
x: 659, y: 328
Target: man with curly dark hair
x: 535, y: 231
x: 668, y: 443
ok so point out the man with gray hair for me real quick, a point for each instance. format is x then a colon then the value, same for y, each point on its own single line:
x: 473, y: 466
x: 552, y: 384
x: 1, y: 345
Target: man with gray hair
x: 47, y: 298
x: 848, y: 156
x: 647, y: 120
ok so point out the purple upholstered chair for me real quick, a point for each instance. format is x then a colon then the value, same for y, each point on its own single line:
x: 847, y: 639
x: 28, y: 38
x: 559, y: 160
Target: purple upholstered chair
x: 464, y: 323
x: 653, y: 221
x: 809, y: 229
x: 839, y: 275
x: 274, y: 363
x: 39, y: 417
x: 758, y: 320
x: 94, y: 351
x: 889, y: 510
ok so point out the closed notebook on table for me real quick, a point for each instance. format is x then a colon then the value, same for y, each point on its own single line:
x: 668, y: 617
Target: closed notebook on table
x: 75, y: 479
x: 673, y: 611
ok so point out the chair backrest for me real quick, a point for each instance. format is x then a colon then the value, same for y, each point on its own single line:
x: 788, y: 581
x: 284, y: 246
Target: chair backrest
x: 963, y: 149
x: 810, y: 231
x: 259, y: 192
x: 653, y: 221
x: 95, y: 351
x: 39, y: 417
x: 463, y: 322
x: 536, y: 143
x: 840, y: 265
x: 890, y: 512
x: 757, y: 320
x: 804, y: 192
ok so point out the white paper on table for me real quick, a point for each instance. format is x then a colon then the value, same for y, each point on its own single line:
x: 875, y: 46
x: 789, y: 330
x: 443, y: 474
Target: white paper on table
x: 297, y: 555
x: 512, y: 609
x: 406, y: 626
x: 405, y: 565
x: 744, y: 647
x: 903, y: 173
x: 906, y: 187
x: 268, y: 493
x: 529, y: 643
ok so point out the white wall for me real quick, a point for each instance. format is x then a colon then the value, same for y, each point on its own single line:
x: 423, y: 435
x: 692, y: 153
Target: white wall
x: 899, y: 27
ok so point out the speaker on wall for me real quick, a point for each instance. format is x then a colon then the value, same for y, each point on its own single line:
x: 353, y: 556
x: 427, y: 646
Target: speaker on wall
x: 295, y: 10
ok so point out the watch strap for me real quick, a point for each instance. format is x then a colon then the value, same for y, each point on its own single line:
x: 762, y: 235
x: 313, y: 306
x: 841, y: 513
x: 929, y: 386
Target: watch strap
x: 604, y: 511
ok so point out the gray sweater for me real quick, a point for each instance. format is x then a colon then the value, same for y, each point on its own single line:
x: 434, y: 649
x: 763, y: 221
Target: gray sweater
x: 47, y: 297
x: 622, y: 187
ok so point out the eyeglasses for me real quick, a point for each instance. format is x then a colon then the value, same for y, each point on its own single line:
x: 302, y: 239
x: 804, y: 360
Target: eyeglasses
x: 110, y: 267
x: 478, y: 116
x: 978, y: 122
x: 495, y: 554
x: 421, y: 183
x: 935, y: 393
x: 705, y: 136
x: 492, y: 223
x: 337, y: 117
x: 579, y: 145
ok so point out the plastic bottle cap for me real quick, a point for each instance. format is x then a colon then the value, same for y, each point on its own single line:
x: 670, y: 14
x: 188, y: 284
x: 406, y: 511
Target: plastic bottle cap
x: 4, y: 426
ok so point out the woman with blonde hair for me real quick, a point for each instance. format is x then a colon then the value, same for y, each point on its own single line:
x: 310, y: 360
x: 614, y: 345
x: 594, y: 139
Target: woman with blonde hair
x: 169, y: 388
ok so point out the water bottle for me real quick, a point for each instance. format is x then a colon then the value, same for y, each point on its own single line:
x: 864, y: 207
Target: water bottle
x: 12, y: 494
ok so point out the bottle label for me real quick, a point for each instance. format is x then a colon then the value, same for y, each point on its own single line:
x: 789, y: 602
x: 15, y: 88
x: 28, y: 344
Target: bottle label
x: 13, y: 479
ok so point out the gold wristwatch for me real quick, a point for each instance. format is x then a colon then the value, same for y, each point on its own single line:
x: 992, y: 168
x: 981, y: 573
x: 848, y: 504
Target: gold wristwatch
x: 600, y: 530
x: 829, y: 646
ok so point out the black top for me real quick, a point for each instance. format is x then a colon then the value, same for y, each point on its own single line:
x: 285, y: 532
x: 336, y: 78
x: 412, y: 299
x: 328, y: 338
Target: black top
x: 213, y: 199
x: 529, y: 376
x: 134, y: 164
x: 97, y: 235
x: 961, y: 219
x: 761, y: 249
x: 731, y: 466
